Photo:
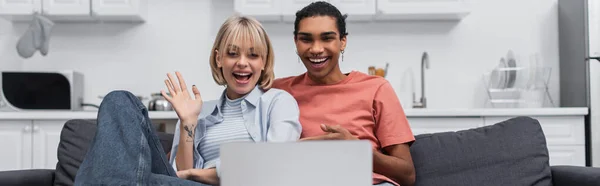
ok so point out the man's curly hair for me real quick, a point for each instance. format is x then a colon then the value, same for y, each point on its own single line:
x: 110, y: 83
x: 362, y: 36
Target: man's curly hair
x: 321, y: 8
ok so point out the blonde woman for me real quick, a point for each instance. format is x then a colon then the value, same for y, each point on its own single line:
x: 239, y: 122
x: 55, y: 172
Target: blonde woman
x: 126, y: 151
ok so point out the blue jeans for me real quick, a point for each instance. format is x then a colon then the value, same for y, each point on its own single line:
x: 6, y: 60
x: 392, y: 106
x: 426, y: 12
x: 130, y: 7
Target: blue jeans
x: 126, y: 150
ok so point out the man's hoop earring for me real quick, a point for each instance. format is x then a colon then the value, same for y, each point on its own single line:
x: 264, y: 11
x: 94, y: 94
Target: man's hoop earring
x: 342, y: 55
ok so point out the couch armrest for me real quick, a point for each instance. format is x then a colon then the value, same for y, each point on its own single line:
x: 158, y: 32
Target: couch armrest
x: 27, y: 177
x: 574, y: 175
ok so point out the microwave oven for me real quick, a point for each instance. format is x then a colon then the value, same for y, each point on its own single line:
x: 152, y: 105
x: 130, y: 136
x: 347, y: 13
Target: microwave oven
x: 49, y: 90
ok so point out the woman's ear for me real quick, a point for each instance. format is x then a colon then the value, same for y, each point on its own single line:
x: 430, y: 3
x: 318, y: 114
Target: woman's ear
x: 218, y: 58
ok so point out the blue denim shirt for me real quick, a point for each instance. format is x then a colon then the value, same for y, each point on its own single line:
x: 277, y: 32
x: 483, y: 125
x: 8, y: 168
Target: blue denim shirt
x: 271, y: 116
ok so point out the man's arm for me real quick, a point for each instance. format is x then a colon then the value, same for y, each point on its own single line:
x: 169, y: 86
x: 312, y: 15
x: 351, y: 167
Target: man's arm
x: 398, y: 165
x: 394, y: 135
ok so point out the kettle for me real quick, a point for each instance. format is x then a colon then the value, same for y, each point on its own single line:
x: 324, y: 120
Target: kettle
x: 159, y: 103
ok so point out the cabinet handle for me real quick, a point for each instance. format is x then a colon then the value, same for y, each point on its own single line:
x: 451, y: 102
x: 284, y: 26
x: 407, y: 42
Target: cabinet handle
x: 27, y: 128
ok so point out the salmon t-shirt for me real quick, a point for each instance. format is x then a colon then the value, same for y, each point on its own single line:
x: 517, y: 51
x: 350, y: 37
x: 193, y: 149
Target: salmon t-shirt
x: 365, y: 105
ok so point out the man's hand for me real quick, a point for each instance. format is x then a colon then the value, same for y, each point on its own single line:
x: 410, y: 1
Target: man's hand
x: 333, y: 133
x: 184, y: 174
x: 206, y: 176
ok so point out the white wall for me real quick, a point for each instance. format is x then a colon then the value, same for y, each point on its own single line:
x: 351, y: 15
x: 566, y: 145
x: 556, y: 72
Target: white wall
x: 179, y: 34
x: 9, y: 59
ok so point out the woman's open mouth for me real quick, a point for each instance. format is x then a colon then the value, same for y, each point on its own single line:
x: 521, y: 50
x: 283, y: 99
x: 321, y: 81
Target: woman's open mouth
x: 242, y: 77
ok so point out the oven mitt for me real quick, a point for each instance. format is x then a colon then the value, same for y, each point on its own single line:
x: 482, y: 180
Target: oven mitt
x: 37, y: 37
x: 46, y: 26
x: 29, y: 42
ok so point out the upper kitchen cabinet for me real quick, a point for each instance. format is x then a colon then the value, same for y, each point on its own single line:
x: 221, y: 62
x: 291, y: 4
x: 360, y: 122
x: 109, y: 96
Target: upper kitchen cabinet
x: 66, y: 9
x: 19, y: 9
x: 262, y: 10
x: 290, y: 7
x: 120, y: 10
x: 75, y: 10
x: 357, y: 10
x: 421, y: 10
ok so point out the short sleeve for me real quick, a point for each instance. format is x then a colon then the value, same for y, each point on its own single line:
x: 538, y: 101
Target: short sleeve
x: 391, y: 124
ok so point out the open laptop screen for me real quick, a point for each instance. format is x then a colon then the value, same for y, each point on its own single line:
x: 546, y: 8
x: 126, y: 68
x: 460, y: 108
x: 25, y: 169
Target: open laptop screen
x: 314, y: 163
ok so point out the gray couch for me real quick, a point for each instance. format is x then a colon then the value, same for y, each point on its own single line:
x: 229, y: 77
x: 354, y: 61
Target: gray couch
x: 512, y: 152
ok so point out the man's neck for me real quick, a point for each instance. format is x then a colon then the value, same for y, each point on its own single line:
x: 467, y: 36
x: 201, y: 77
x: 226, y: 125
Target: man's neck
x: 333, y: 77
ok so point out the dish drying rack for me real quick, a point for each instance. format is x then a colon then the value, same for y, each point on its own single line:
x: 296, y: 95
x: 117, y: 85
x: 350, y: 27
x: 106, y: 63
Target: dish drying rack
x: 518, y: 87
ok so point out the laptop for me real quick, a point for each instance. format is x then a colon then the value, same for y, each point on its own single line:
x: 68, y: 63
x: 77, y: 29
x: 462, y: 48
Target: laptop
x: 314, y: 163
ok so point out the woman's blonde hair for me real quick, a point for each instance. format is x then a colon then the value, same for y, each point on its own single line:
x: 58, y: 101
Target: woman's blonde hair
x: 241, y: 29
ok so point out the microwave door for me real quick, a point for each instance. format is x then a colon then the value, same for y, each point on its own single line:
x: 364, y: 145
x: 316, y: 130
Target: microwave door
x: 36, y: 91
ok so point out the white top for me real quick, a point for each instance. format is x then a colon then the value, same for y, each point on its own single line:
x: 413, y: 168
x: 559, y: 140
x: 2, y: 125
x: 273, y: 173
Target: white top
x: 232, y: 129
x: 474, y: 112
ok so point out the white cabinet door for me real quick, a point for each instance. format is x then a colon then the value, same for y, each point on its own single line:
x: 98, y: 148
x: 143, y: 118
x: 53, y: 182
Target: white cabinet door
x: 361, y: 10
x: 20, y: 7
x: 46, y: 136
x: 15, y: 142
x: 435, y: 125
x: 66, y: 7
x: 263, y: 10
x: 290, y: 7
x: 567, y: 155
x: 422, y: 10
x: 135, y: 10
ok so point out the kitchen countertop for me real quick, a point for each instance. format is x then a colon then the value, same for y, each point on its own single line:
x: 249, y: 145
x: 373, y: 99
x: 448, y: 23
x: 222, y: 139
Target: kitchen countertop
x: 475, y: 112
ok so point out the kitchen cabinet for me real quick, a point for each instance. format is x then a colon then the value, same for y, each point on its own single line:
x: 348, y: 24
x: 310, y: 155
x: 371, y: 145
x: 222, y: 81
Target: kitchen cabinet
x: 262, y: 10
x: 423, y: 125
x: 290, y: 7
x: 19, y: 7
x: 75, y: 10
x: 566, y: 155
x: 30, y: 139
x: 16, y: 144
x: 421, y: 10
x: 66, y: 7
x: 29, y: 144
x: 565, y: 135
x: 120, y: 10
x: 46, y: 137
x: 357, y: 10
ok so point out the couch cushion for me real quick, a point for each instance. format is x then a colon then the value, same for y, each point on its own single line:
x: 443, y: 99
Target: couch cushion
x: 75, y: 138
x: 512, y: 152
